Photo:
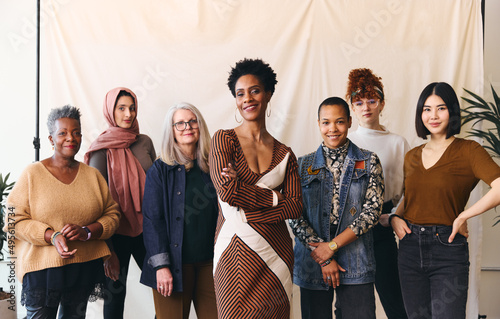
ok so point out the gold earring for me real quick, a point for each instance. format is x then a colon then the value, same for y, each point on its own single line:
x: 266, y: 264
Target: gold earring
x: 235, y: 118
x: 269, y: 109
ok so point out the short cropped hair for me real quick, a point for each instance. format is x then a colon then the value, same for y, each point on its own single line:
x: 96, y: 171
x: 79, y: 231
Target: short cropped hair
x: 449, y: 97
x: 335, y: 101
x: 255, y: 67
x: 171, y: 152
x: 62, y: 112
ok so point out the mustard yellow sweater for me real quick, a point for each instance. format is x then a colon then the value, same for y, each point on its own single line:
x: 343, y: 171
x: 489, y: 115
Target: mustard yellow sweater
x: 40, y: 201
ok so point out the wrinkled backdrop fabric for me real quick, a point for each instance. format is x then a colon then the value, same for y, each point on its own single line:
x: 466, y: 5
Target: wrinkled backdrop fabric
x: 182, y: 50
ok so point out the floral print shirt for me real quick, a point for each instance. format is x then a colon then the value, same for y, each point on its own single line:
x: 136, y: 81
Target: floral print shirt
x: 373, y: 198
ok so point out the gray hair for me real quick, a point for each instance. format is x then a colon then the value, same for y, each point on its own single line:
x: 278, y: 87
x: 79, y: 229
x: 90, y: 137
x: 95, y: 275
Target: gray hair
x: 62, y: 112
x: 170, y: 150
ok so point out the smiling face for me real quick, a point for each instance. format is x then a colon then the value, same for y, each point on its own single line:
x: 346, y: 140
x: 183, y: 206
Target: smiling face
x: 66, y: 138
x: 125, y: 112
x: 368, y: 111
x: 333, y: 124
x: 251, y: 99
x: 435, y: 115
x: 189, y: 136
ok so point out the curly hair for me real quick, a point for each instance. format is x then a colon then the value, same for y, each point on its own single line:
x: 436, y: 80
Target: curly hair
x: 364, y: 84
x: 255, y: 67
x: 62, y: 112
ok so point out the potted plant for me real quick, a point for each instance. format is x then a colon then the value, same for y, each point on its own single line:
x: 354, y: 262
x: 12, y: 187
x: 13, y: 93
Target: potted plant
x: 5, y: 187
x: 482, y: 111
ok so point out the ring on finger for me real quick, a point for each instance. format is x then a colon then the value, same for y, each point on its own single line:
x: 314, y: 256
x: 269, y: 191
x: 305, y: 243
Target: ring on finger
x: 328, y: 278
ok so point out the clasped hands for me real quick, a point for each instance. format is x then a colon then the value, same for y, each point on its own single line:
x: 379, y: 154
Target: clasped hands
x: 70, y: 232
x: 323, y: 255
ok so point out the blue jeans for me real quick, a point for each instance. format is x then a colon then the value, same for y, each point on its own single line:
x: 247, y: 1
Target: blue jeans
x: 434, y: 274
x: 355, y: 302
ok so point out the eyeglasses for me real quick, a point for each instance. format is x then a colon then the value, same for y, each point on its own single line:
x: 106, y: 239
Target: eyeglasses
x: 369, y: 103
x: 181, y: 126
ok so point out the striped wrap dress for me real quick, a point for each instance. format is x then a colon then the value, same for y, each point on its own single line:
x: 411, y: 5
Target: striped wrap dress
x: 253, y: 260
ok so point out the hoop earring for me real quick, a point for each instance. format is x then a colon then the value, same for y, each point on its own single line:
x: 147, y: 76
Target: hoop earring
x: 235, y: 118
x: 268, y: 112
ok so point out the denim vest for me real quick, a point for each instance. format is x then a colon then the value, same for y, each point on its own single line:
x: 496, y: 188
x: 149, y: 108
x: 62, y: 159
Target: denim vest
x: 357, y: 258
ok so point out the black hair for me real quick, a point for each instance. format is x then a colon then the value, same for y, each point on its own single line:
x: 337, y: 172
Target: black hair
x: 62, y: 112
x: 255, y: 67
x: 123, y: 93
x: 449, y: 97
x: 335, y: 101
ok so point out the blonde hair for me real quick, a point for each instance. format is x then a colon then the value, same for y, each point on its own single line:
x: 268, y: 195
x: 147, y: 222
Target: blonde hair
x: 171, y: 153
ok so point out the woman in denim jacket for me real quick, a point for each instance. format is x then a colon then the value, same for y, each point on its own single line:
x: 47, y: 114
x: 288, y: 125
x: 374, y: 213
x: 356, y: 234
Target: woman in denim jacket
x: 342, y: 189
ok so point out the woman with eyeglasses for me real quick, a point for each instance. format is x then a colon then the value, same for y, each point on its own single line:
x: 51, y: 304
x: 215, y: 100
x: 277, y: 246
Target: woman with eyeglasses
x: 439, y: 177
x: 123, y: 156
x: 365, y: 91
x: 180, y: 215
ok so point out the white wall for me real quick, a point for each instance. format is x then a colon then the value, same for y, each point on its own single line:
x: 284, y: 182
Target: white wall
x: 490, y: 260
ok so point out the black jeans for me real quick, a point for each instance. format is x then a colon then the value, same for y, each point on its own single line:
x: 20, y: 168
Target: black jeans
x: 434, y: 273
x: 356, y: 302
x: 115, y: 291
x: 386, y: 275
x: 75, y: 309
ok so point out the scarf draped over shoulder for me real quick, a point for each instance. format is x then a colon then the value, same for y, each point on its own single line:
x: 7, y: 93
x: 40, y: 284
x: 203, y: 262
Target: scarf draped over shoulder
x: 126, y: 177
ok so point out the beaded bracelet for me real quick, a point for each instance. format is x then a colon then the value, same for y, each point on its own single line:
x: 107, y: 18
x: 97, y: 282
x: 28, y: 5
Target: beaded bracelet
x: 54, y: 235
x: 327, y: 262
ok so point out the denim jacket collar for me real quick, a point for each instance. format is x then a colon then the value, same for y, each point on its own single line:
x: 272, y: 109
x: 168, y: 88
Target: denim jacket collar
x: 353, y: 153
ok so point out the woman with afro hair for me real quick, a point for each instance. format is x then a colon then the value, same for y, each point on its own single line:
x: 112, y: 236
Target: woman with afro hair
x: 258, y: 188
x: 365, y: 92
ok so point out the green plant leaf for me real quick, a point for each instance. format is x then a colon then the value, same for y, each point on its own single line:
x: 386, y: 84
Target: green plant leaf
x: 497, y: 100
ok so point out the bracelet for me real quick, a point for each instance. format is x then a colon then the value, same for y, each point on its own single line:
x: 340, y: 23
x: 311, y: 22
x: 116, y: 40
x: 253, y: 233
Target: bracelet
x: 392, y: 215
x: 54, y: 235
x: 89, y: 233
x: 327, y: 262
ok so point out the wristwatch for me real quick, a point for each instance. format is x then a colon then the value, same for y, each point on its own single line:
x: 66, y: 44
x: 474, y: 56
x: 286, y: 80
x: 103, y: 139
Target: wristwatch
x: 333, y: 246
x: 89, y: 233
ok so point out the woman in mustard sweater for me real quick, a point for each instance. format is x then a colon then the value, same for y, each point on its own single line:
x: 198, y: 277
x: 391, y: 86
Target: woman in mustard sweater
x: 439, y: 177
x: 60, y: 212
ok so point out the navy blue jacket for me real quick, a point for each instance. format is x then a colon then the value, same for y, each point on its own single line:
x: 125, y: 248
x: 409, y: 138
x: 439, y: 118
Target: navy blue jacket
x: 163, y: 225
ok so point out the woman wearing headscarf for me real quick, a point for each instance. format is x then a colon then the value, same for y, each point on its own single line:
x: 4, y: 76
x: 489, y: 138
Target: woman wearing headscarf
x: 123, y: 156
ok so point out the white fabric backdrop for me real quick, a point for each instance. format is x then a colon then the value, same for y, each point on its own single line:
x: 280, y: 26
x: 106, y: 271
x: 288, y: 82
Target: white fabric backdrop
x: 182, y: 50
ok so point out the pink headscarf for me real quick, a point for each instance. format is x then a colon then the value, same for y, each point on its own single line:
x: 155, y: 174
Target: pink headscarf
x: 126, y: 177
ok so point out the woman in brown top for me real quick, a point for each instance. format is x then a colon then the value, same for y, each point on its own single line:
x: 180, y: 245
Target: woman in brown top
x: 439, y: 176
